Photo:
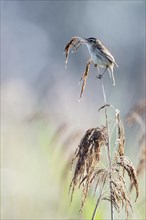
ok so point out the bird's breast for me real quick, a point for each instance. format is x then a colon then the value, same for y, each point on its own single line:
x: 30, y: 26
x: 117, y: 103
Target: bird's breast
x: 97, y: 57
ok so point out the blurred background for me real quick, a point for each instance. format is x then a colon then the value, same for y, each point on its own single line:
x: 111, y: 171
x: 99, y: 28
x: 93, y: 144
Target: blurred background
x: 42, y: 120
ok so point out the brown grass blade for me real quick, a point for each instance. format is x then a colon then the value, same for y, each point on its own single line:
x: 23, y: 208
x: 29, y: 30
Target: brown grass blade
x: 85, y: 75
x: 121, y: 134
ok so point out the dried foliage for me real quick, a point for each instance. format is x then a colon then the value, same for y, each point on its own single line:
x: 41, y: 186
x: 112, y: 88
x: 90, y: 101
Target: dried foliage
x: 85, y: 75
x: 129, y: 167
x: 74, y: 44
x: 86, y: 172
x: 88, y: 156
x: 120, y: 195
x: 120, y: 128
x: 121, y: 134
x: 104, y: 106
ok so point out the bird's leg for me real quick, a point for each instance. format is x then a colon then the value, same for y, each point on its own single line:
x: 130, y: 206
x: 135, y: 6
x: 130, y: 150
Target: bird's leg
x: 101, y: 75
x: 85, y: 75
x: 96, y: 65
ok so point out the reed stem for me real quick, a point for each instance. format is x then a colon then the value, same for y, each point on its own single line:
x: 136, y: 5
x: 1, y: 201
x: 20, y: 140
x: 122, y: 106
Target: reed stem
x: 108, y: 151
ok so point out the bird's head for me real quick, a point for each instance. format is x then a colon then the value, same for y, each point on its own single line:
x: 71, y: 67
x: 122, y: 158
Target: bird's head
x: 90, y: 40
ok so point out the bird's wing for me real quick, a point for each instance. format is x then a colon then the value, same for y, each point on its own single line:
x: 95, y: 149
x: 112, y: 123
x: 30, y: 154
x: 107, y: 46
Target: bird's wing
x: 102, y: 50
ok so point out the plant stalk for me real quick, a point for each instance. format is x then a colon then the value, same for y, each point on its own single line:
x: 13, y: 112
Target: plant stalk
x: 108, y: 151
x: 97, y: 202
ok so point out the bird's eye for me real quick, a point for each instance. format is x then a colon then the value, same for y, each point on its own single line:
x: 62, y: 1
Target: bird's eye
x: 92, y: 39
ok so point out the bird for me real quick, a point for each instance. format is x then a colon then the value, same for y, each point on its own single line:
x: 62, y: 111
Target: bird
x: 100, y: 56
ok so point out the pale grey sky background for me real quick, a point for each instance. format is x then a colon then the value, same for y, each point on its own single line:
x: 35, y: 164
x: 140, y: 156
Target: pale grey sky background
x: 34, y: 82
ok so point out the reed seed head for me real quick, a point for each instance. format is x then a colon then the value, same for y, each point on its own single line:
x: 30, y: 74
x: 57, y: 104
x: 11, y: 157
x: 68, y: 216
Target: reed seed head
x: 88, y: 156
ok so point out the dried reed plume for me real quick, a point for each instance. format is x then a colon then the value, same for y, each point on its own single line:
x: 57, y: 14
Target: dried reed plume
x: 88, y: 156
x: 84, y: 77
x: 120, y: 195
x: 74, y: 44
x: 121, y: 134
x: 88, y: 173
x: 131, y: 171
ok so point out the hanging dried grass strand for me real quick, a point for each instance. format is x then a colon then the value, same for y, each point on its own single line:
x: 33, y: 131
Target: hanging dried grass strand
x: 129, y: 167
x: 85, y: 75
x: 69, y: 46
x: 141, y: 165
x: 74, y: 44
x: 119, y: 194
x: 121, y: 134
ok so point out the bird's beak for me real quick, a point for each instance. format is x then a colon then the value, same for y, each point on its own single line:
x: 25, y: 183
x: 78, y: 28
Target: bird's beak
x: 85, y: 40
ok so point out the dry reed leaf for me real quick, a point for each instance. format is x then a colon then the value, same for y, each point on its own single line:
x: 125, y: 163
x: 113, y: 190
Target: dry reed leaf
x: 141, y: 165
x: 126, y: 195
x: 104, y: 106
x: 88, y: 156
x: 121, y: 134
x: 129, y: 167
x: 119, y: 195
x: 74, y: 44
x: 85, y: 75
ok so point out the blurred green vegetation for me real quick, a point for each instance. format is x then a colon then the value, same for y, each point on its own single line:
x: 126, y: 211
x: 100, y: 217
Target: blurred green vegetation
x: 38, y: 175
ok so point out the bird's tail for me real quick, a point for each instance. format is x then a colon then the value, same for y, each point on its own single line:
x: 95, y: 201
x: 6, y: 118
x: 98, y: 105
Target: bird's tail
x: 116, y: 64
x: 111, y: 73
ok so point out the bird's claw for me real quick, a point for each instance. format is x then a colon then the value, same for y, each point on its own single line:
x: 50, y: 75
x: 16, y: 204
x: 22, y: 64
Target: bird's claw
x: 99, y: 76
